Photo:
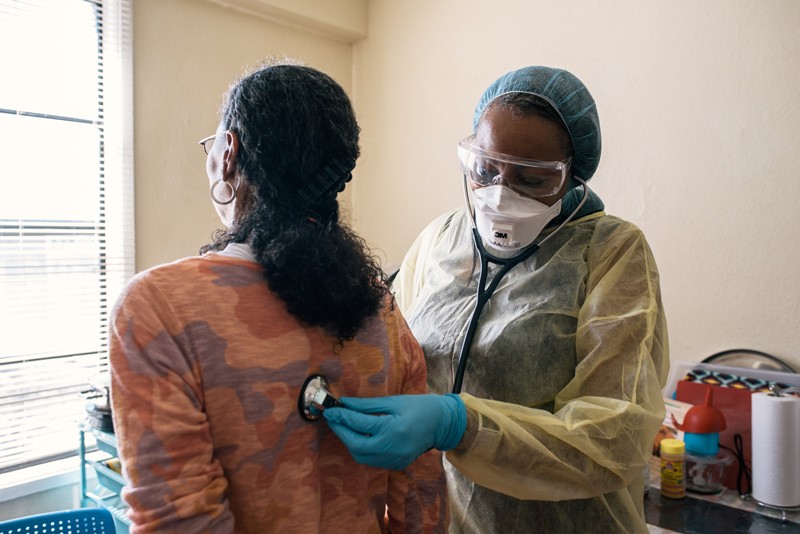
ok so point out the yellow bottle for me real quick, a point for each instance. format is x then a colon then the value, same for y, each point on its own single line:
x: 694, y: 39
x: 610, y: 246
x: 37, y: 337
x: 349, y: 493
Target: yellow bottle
x: 673, y: 465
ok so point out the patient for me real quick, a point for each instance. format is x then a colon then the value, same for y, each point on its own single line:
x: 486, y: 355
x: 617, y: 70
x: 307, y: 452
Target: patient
x: 209, y: 353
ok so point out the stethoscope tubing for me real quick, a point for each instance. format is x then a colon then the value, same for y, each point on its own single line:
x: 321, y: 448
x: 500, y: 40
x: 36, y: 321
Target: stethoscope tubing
x: 484, y: 293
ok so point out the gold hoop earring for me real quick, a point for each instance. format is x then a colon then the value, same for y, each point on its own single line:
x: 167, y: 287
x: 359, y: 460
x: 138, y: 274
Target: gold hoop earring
x: 214, y: 196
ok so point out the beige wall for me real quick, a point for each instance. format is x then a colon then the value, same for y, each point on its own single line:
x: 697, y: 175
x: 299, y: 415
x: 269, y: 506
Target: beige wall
x: 698, y: 104
x: 186, y: 53
x: 699, y: 108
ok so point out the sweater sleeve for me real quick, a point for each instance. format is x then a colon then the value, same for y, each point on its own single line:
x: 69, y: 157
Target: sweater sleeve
x: 174, y: 482
x: 417, y: 495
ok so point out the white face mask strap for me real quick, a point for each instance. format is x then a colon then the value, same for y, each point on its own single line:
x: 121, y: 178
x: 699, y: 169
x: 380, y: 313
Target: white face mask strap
x: 574, y: 212
x: 470, y: 207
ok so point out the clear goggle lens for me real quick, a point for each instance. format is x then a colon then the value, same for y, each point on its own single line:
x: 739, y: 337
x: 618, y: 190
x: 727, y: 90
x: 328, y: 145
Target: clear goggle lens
x: 526, y: 176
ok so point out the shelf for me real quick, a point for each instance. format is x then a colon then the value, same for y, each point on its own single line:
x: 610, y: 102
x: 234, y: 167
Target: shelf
x: 107, y: 476
x: 111, y: 502
x: 107, y: 446
x: 107, y: 493
x: 108, y: 439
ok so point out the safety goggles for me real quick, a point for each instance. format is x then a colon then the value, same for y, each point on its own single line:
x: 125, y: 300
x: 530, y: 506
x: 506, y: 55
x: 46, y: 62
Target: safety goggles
x: 526, y: 176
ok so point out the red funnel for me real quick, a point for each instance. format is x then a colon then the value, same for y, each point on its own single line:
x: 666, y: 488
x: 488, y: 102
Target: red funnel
x: 702, y: 418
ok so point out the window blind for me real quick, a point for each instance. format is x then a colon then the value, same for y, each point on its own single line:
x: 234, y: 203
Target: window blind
x: 66, y: 212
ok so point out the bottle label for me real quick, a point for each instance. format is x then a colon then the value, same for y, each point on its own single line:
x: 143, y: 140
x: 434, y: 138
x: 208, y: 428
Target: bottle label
x: 673, y: 484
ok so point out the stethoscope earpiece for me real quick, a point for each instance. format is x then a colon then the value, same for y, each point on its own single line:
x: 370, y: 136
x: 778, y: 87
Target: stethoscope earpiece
x: 315, y: 398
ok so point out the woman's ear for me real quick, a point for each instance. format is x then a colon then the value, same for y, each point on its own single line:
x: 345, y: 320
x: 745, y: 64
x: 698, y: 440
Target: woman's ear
x: 229, y: 156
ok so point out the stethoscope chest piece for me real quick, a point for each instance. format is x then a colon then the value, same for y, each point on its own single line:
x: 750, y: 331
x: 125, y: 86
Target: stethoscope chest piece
x: 315, y: 398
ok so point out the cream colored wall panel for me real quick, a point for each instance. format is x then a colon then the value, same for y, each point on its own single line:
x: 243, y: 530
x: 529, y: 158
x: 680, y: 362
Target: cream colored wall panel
x: 344, y: 20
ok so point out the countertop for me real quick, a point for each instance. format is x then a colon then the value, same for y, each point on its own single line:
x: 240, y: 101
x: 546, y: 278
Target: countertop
x: 723, y: 513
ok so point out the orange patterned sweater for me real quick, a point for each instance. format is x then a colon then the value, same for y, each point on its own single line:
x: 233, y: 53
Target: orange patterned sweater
x: 207, y: 366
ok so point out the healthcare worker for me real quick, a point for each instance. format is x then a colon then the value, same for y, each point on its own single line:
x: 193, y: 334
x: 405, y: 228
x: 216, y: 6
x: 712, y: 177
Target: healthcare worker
x: 559, y: 393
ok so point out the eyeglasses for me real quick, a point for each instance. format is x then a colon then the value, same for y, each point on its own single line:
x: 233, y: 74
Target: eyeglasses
x: 529, y: 177
x: 207, y: 143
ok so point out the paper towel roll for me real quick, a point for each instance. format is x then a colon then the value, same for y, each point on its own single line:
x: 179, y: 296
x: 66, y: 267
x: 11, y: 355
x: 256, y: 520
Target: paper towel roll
x: 776, y: 449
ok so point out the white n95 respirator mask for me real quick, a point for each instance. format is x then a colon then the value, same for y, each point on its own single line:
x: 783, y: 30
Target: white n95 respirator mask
x: 507, y: 220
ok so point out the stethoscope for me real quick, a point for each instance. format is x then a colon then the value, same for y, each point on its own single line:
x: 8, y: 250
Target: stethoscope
x: 315, y: 396
x: 484, y: 293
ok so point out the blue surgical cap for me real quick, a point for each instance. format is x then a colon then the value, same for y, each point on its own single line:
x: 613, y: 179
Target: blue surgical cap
x: 571, y: 100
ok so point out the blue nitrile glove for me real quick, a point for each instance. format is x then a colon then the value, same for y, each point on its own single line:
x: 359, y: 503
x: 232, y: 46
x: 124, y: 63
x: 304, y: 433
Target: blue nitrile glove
x: 408, y: 425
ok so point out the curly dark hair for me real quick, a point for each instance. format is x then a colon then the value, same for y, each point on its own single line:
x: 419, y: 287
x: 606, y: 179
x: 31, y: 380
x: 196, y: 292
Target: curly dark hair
x: 298, y: 143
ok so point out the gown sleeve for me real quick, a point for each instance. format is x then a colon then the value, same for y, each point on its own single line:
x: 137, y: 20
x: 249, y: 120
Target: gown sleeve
x: 174, y: 482
x: 409, y: 280
x: 417, y: 495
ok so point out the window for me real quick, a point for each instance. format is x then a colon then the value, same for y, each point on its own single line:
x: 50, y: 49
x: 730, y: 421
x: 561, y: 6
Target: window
x: 66, y: 212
